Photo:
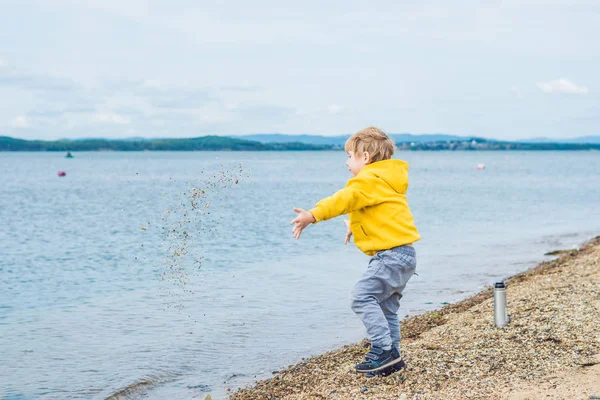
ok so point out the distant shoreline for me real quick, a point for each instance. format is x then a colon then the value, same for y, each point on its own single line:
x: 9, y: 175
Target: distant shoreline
x: 223, y: 143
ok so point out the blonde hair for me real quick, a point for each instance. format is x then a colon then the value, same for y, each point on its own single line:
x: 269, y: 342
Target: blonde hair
x: 373, y: 141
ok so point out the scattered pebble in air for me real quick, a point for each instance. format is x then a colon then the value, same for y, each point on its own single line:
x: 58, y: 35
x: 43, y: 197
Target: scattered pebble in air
x: 187, y: 225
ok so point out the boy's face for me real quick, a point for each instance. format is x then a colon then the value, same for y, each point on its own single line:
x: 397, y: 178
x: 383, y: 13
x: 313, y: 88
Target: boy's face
x: 356, y: 162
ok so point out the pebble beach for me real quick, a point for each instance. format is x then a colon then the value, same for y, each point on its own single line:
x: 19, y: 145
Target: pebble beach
x: 550, y: 349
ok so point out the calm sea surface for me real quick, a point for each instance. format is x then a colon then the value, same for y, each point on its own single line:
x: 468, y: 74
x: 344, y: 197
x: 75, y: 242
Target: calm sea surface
x: 124, y: 279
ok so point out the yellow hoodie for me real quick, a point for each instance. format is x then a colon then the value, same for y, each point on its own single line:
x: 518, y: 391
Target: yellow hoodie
x: 375, y: 200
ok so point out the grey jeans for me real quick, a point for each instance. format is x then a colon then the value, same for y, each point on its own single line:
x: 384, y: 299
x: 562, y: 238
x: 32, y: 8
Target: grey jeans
x: 376, y: 296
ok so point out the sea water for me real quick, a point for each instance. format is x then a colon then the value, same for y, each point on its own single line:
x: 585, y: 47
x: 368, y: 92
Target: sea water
x: 103, y: 294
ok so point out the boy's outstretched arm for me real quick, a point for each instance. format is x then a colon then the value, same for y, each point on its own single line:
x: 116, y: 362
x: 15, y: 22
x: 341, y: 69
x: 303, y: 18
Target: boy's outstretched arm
x: 356, y: 195
x: 301, y: 221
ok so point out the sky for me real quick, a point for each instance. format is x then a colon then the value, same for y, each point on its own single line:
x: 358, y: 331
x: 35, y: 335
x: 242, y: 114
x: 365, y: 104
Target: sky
x: 181, y: 68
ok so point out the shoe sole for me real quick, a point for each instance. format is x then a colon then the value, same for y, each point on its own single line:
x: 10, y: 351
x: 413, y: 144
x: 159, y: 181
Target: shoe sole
x: 384, y: 366
x: 388, y: 371
x: 399, y: 366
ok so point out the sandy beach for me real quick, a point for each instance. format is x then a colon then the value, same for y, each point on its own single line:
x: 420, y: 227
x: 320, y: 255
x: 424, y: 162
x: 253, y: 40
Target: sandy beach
x: 550, y: 349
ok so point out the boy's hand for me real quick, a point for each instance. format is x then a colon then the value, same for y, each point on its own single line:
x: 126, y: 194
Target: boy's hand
x: 301, y: 221
x: 349, y: 232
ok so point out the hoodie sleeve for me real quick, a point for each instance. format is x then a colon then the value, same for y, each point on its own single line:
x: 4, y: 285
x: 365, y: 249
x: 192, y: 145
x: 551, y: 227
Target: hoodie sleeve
x: 357, y: 194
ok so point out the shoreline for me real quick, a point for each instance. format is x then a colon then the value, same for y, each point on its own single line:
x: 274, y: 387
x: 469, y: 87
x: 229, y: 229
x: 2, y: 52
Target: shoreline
x: 550, y: 348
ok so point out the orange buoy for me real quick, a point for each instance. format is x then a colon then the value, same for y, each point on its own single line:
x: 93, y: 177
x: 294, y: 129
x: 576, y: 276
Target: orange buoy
x: 62, y: 173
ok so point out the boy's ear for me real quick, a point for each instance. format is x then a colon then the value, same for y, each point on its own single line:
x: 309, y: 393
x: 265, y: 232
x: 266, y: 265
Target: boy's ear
x: 366, y: 157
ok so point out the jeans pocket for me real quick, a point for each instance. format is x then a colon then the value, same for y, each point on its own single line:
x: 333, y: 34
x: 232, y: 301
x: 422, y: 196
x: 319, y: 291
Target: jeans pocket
x: 375, y: 266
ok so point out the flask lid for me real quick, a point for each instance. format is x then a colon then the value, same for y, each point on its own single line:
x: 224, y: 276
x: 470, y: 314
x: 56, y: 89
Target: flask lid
x: 499, y: 285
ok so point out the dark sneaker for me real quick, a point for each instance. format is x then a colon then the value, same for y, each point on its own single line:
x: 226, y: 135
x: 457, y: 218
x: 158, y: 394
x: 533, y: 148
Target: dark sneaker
x: 378, y: 359
x: 387, y: 371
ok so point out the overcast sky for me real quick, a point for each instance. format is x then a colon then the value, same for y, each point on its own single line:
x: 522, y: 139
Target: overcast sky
x: 181, y: 68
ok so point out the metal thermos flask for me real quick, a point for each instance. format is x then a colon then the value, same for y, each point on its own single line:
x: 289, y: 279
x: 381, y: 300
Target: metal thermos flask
x: 500, y: 310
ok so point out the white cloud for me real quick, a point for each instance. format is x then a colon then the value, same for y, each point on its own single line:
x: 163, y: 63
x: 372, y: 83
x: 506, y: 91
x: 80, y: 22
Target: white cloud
x: 516, y: 92
x: 134, y: 9
x: 335, y: 109
x: 153, y: 84
x: 562, y: 86
x: 111, y: 118
x: 20, y: 122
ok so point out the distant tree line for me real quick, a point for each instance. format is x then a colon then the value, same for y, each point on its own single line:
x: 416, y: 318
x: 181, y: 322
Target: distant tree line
x: 493, y: 145
x: 205, y: 143
x: 220, y: 143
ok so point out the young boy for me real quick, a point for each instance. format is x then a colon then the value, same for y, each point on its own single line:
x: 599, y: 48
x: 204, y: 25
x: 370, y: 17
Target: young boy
x: 383, y: 228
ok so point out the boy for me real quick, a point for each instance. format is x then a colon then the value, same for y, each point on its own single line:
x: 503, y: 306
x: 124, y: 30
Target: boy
x: 383, y: 228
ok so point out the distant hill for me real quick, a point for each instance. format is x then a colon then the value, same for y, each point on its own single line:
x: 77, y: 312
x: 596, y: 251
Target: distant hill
x: 126, y: 139
x: 399, y: 138
x: 204, y: 143
x: 340, y: 140
x: 214, y: 143
x: 581, y: 139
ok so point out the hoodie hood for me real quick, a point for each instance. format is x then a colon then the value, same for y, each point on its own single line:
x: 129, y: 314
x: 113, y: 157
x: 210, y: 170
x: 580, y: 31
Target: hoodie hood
x: 392, y: 172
